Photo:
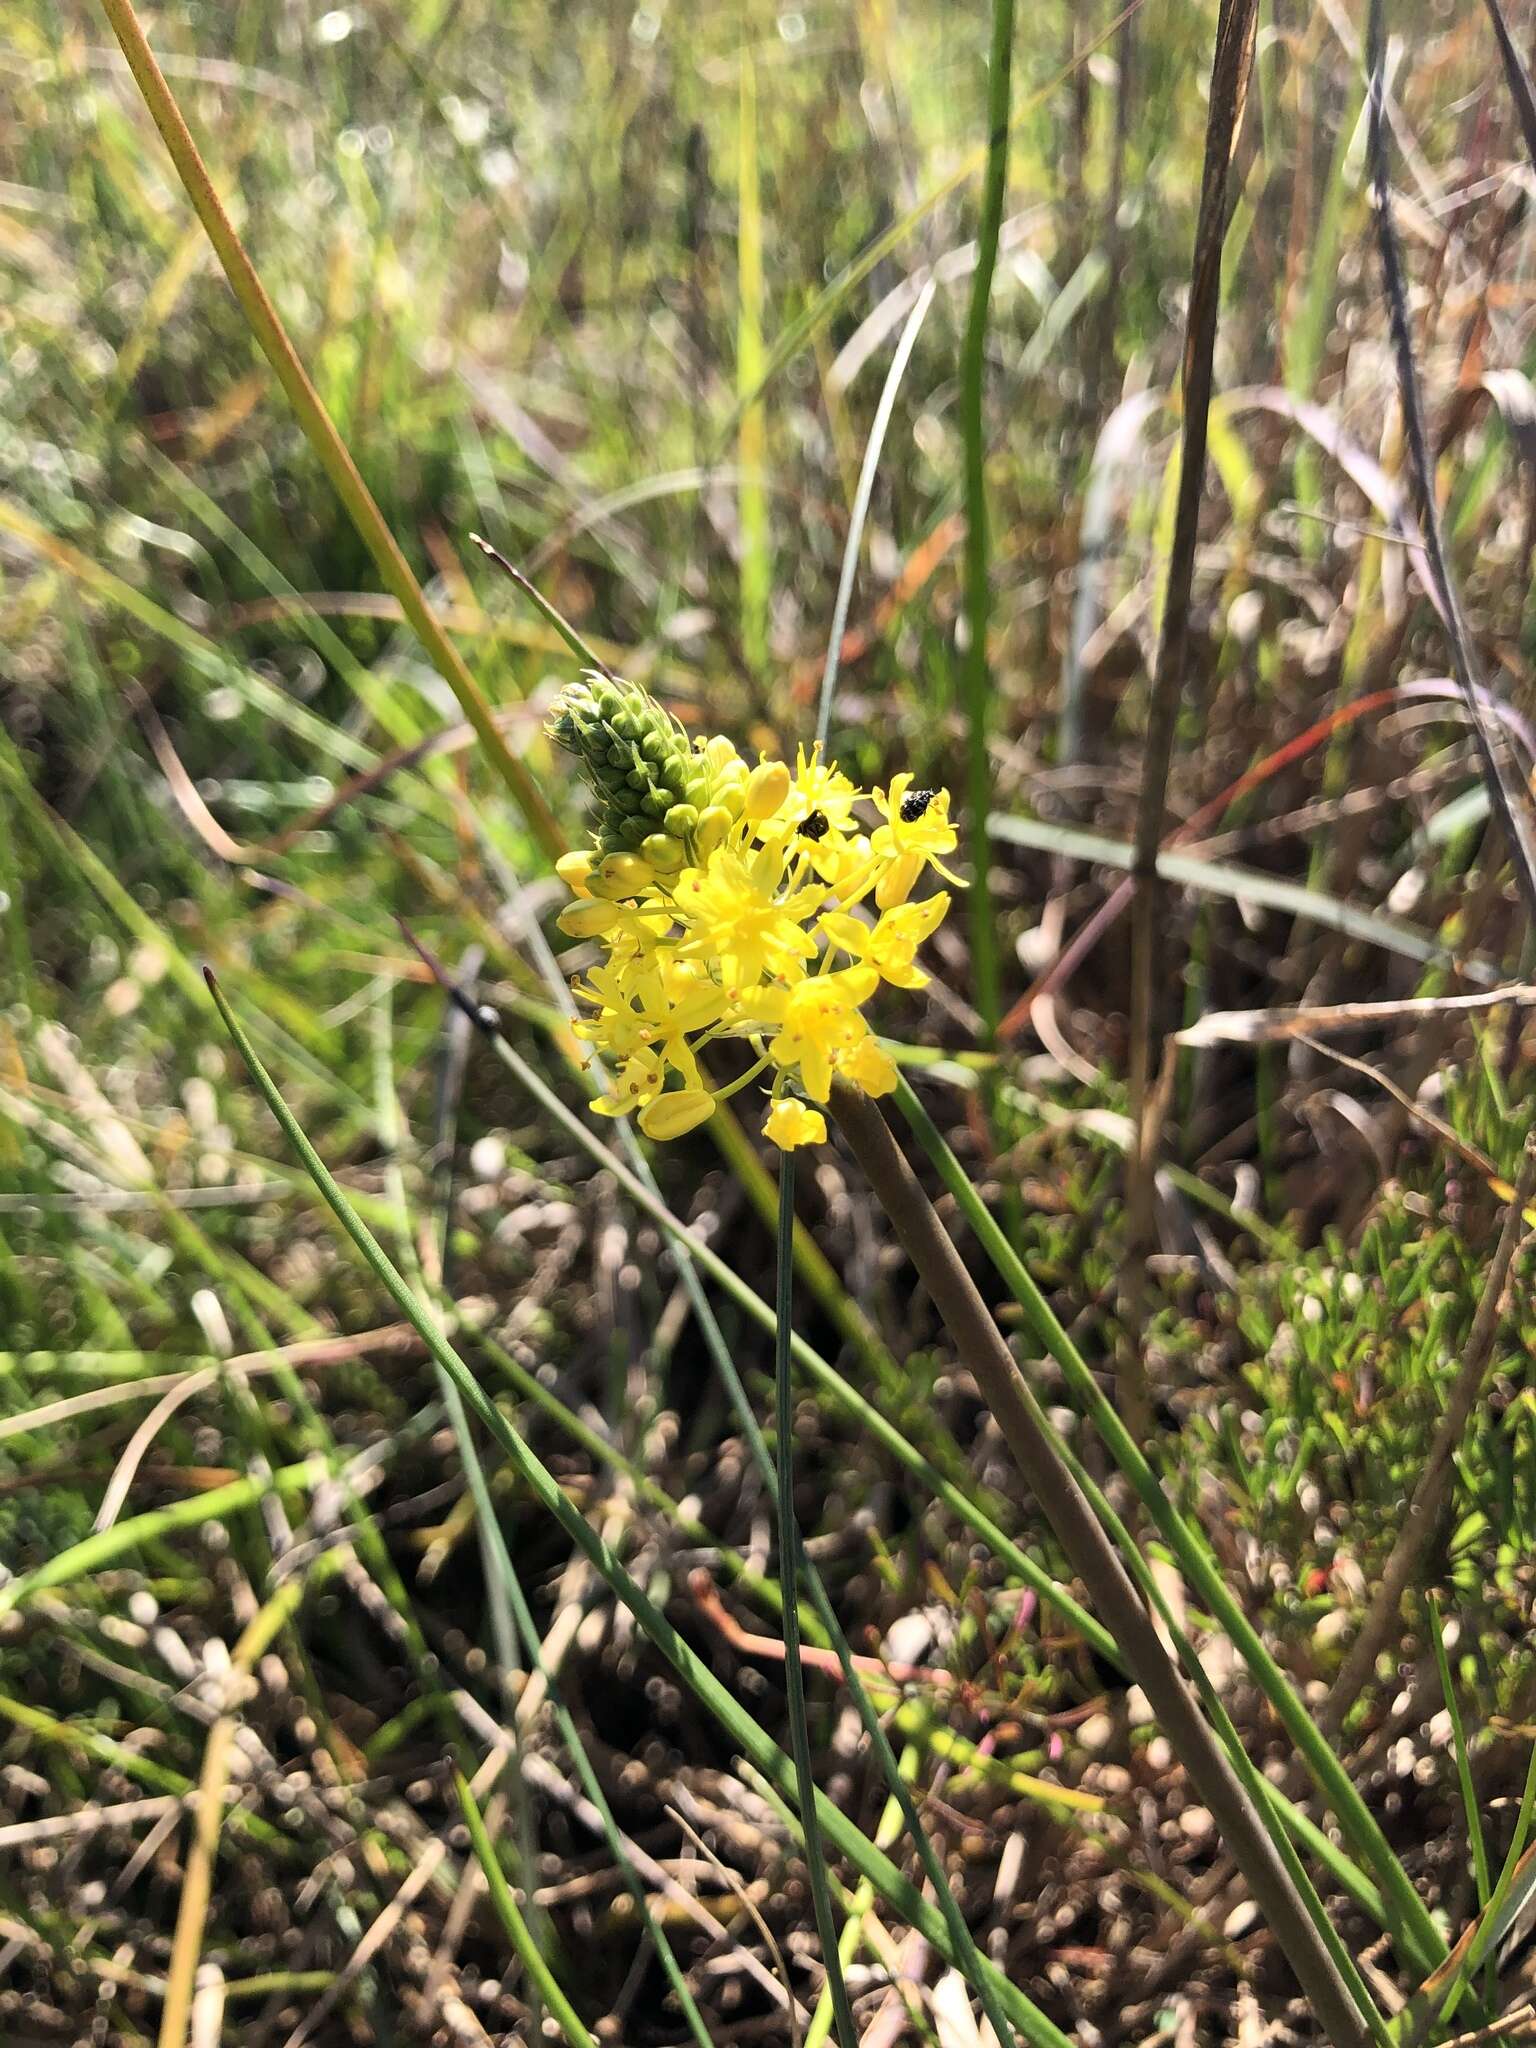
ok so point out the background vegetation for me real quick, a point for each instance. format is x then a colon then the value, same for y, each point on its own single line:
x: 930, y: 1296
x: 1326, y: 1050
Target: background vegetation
x: 619, y: 288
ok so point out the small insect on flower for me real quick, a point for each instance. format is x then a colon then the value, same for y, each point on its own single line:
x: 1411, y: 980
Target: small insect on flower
x: 728, y: 901
x: 916, y: 831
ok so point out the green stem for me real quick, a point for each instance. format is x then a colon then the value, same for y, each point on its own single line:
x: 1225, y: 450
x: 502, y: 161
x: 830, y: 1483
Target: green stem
x: 789, y: 1575
x: 511, y: 1918
x: 976, y: 675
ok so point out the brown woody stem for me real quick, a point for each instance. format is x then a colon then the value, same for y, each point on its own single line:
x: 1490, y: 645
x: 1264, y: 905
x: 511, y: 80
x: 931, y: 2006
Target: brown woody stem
x: 1097, y: 1564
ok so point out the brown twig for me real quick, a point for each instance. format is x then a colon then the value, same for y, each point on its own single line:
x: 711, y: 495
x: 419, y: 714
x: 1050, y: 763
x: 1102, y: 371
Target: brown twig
x: 1508, y: 803
x: 894, y: 1675
x: 1229, y: 86
x: 1410, y: 1554
x: 1095, y: 1560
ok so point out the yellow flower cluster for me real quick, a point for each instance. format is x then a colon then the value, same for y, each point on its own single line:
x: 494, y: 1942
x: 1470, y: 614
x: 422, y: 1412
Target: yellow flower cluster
x: 740, y: 920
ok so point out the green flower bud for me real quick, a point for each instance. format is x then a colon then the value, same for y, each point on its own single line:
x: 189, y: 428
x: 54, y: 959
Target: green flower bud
x: 650, y: 783
x: 714, y: 822
x: 663, y: 852
x: 619, y: 875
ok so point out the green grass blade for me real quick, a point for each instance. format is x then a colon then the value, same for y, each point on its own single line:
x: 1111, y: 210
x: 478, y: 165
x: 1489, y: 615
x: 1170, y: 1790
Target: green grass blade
x: 1463, y: 1759
x: 976, y: 675
x: 510, y: 1915
x: 319, y: 428
x: 95, y: 1552
x: 756, y: 567
x: 1250, y: 885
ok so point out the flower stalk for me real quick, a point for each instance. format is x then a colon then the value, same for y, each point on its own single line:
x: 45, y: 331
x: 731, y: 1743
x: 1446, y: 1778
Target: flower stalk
x: 1094, y: 1559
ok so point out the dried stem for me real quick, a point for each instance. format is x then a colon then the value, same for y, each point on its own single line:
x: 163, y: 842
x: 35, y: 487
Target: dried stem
x: 1409, y: 1559
x: 1094, y: 1559
x: 1511, y: 810
x: 1229, y: 86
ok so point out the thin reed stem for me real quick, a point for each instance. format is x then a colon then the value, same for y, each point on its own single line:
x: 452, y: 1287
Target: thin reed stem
x: 1510, y: 809
x: 789, y: 1578
x: 976, y: 675
x: 1149, y: 945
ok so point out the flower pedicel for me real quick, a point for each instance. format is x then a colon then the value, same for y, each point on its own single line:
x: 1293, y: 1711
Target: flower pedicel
x: 723, y: 898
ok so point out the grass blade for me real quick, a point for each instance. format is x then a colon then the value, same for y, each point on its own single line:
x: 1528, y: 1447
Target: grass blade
x: 976, y: 674
x: 319, y: 428
x: 865, y: 491
x: 1515, y: 77
x: 1225, y: 878
x: 510, y: 1915
x: 1463, y: 1759
x: 756, y: 567
x: 1509, y: 809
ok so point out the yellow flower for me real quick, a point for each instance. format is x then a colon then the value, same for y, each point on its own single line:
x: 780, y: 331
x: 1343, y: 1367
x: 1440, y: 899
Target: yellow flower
x: 869, y: 1066
x: 641, y: 1076
x: 622, y: 1027
x: 658, y: 1007
x: 916, y: 831
x: 721, y: 898
x: 891, y: 944
x: 818, y: 1021
x: 790, y: 1122
x: 819, y: 791
x: 734, y: 915
x: 669, y: 1116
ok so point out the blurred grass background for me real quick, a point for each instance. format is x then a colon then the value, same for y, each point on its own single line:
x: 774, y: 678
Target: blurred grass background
x: 597, y: 283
